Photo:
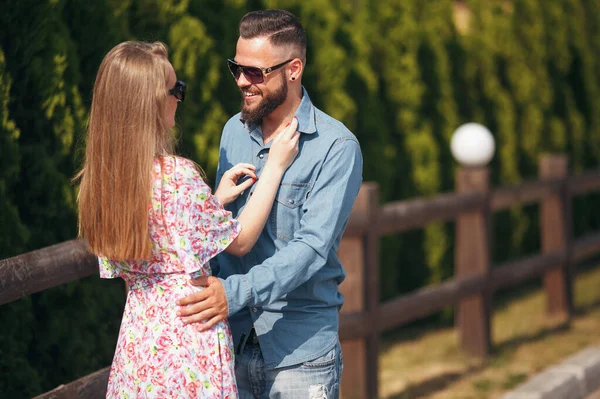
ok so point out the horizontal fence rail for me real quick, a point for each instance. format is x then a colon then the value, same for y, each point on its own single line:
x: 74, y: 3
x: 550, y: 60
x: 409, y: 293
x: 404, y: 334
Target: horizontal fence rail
x: 400, y: 216
x: 523, y: 194
x: 584, y: 183
x: 92, y: 386
x: 586, y: 247
x: 45, y: 268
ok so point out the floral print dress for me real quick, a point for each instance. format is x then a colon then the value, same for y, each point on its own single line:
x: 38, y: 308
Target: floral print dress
x: 157, y: 356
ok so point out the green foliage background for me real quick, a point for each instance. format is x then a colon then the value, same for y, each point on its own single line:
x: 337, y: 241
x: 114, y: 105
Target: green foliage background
x: 401, y: 74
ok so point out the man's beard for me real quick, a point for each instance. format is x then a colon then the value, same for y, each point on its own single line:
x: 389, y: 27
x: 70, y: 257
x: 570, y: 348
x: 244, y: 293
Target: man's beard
x: 267, y: 105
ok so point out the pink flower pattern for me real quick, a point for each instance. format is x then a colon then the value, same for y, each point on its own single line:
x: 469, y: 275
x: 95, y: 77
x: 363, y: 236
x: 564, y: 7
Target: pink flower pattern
x: 157, y: 356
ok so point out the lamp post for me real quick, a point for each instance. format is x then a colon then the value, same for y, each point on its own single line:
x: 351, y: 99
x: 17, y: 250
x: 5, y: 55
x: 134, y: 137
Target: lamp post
x: 473, y: 146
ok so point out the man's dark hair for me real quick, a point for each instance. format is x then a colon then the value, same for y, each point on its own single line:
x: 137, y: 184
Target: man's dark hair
x: 280, y: 26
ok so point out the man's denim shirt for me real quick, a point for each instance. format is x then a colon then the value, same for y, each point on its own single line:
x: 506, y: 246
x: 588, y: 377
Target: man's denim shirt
x: 287, y: 285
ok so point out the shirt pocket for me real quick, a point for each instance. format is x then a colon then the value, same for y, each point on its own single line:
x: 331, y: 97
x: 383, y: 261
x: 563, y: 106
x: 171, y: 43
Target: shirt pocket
x: 287, y: 209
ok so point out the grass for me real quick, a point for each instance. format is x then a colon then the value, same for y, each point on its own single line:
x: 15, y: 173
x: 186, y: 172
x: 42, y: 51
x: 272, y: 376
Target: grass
x: 429, y: 364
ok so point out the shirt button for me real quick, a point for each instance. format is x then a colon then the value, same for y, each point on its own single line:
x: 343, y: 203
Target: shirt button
x: 261, y: 156
x: 254, y: 310
x: 291, y: 201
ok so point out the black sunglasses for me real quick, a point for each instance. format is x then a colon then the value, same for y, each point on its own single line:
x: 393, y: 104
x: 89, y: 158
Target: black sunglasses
x: 179, y: 90
x: 253, y: 74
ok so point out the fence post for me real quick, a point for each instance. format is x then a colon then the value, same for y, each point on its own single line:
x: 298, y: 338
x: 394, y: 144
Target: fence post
x: 556, y: 231
x: 360, y: 257
x: 472, y: 256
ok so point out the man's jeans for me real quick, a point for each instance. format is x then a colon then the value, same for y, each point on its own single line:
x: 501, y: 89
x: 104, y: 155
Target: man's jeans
x: 316, y: 379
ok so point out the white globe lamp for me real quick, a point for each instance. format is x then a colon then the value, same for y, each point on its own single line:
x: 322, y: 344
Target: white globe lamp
x: 472, y: 145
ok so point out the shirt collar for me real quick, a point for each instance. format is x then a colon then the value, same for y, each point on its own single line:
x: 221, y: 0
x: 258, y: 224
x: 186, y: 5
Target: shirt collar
x: 306, y: 114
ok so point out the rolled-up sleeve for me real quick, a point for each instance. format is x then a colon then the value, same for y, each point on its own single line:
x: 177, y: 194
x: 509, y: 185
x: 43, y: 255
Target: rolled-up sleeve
x: 325, y: 215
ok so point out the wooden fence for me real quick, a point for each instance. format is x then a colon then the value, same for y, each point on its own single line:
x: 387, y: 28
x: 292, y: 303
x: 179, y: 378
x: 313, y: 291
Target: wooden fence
x: 475, y: 280
x: 363, y: 317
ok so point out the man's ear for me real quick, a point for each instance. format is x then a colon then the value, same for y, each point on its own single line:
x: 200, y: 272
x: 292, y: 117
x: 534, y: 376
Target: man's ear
x: 296, y: 69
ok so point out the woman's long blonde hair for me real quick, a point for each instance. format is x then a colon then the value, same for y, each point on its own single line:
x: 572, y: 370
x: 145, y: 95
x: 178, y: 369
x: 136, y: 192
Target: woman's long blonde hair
x: 126, y: 131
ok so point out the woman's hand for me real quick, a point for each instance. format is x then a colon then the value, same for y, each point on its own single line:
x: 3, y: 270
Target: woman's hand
x: 229, y: 189
x: 285, y: 146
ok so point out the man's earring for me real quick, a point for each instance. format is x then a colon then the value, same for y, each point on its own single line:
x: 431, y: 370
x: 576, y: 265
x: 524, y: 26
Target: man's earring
x: 293, y: 78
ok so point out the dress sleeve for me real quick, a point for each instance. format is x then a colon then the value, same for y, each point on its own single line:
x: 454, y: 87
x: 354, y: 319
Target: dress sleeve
x: 203, y: 228
x: 107, y: 268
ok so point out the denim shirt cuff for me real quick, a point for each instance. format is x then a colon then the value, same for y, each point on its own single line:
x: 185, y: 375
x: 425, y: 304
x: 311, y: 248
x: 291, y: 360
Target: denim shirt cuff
x: 238, y: 292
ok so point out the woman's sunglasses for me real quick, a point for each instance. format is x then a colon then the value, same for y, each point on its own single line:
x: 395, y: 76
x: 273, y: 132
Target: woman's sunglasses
x: 179, y: 90
x: 254, y: 75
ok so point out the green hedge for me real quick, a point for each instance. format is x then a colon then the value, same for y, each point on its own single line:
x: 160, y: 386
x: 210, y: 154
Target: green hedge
x: 402, y: 74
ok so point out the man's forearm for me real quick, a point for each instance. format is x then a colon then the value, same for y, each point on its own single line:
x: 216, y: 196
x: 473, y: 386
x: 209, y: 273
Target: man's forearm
x: 274, y: 278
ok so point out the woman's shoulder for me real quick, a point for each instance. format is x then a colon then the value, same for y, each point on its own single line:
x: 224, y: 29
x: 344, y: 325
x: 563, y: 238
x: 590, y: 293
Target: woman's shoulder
x: 173, y: 160
x: 178, y: 170
x: 175, y: 165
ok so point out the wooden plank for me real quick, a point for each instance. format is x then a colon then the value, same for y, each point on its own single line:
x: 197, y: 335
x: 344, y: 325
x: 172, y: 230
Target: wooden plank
x: 354, y: 384
x: 92, y: 386
x: 401, y: 216
x: 555, y: 229
x: 355, y: 325
x: 525, y: 193
x: 584, y: 183
x: 425, y: 301
x: 372, y: 290
x: 472, y: 257
x: 45, y: 268
x: 352, y: 255
x: 358, y: 224
x: 586, y: 247
x: 516, y: 272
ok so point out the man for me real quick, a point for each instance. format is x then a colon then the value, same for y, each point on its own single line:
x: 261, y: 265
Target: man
x: 282, y: 298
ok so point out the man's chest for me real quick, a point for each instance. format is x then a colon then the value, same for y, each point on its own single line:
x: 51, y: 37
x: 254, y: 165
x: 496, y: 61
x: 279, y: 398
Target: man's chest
x: 303, y: 170
x: 295, y: 188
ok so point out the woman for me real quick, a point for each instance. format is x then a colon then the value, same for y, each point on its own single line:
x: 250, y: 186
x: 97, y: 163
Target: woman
x: 152, y: 221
